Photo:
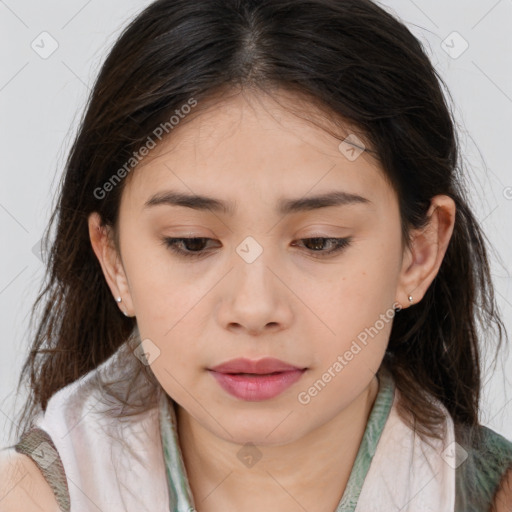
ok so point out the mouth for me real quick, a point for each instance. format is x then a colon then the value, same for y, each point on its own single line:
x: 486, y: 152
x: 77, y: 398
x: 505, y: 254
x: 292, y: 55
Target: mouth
x: 255, y: 387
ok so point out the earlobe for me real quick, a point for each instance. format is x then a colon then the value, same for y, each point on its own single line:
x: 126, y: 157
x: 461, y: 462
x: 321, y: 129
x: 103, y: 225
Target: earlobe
x: 405, y: 288
x: 428, y: 248
x: 108, y: 258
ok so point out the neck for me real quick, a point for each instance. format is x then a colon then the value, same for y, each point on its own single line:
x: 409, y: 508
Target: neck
x: 309, y: 473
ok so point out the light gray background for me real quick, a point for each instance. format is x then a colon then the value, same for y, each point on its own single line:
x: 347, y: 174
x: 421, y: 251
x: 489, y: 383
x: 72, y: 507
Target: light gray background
x: 41, y: 100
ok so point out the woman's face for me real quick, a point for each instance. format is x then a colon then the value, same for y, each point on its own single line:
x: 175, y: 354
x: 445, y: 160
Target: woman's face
x: 259, y: 288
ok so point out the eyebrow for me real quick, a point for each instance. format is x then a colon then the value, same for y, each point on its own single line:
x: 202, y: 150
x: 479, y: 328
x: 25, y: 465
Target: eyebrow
x: 285, y: 206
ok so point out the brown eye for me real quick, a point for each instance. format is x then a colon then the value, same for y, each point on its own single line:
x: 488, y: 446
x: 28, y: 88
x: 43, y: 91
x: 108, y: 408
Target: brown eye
x: 194, y: 247
x: 318, y: 244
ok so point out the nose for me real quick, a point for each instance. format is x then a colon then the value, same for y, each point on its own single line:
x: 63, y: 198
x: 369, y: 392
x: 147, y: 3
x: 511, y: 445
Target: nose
x: 254, y: 298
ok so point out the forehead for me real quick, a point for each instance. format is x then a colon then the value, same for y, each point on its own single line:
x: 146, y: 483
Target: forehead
x: 253, y: 144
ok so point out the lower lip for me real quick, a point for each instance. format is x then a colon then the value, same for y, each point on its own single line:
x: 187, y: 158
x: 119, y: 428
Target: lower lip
x: 254, y: 388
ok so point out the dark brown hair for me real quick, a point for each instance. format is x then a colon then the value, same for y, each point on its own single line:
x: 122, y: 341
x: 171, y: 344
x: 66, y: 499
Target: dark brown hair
x: 363, y: 66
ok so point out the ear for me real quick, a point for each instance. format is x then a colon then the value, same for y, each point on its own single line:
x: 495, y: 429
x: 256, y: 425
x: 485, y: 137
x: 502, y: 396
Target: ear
x: 103, y: 245
x: 421, y: 262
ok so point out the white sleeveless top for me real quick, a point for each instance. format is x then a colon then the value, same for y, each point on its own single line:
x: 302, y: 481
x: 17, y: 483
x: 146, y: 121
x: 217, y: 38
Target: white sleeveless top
x: 394, y: 468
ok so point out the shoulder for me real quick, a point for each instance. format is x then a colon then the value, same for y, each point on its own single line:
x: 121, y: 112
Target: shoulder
x: 503, y: 498
x: 22, y: 485
x: 485, y: 472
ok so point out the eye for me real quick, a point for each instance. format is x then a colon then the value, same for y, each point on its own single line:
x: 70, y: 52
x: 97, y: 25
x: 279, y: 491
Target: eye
x: 195, y: 247
x: 317, y: 244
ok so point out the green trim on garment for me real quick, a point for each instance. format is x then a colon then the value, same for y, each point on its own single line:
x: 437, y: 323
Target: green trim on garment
x: 376, y: 421
x: 180, y: 494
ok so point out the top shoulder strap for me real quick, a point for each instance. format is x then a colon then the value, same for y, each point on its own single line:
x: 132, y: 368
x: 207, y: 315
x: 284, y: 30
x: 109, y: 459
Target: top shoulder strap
x: 38, y: 445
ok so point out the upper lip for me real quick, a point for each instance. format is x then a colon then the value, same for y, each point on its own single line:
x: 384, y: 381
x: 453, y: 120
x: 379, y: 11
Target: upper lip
x: 261, y: 366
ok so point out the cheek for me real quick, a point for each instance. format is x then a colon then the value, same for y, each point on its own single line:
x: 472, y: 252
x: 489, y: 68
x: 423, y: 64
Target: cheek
x: 165, y: 301
x: 180, y: 362
x: 355, y: 291
x: 355, y: 310
x: 170, y: 369
x: 161, y: 290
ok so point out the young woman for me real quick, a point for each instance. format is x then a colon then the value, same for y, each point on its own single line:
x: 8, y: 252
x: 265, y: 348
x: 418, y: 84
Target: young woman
x: 266, y: 290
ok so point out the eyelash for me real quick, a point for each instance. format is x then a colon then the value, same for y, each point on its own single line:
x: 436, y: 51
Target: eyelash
x: 171, y: 243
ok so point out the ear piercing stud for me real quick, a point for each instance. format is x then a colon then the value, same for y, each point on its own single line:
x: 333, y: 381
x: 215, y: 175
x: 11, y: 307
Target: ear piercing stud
x: 410, y: 303
x: 124, y: 312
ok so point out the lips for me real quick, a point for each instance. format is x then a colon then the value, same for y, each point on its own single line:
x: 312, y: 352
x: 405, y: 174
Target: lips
x: 263, y: 366
x: 256, y: 380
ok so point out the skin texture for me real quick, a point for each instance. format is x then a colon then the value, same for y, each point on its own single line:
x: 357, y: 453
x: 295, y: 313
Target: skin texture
x: 288, y: 303
x: 22, y: 485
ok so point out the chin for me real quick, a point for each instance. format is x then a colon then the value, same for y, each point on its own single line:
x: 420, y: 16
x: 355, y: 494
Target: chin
x: 260, y: 432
